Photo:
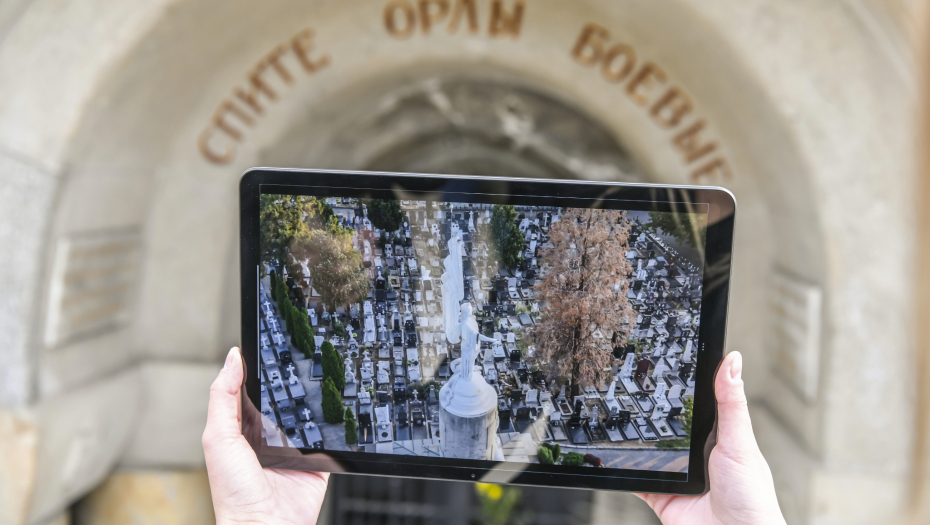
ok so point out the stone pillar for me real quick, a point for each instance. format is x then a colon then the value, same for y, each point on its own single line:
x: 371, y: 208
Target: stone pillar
x: 467, y: 418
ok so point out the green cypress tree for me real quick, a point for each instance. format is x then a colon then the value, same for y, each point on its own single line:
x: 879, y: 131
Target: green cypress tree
x: 332, y: 366
x: 303, y: 338
x: 281, y: 296
x: 274, y: 279
x: 351, y: 428
x: 507, y: 239
x: 332, y: 402
x: 289, y: 312
x: 297, y: 335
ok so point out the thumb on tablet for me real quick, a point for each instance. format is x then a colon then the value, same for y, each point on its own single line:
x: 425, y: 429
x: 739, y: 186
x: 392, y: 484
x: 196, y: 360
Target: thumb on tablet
x: 734, y: 426
x: 223, y: 415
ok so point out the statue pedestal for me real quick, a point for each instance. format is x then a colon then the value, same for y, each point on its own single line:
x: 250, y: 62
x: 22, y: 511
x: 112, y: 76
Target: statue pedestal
x: 468, y: 417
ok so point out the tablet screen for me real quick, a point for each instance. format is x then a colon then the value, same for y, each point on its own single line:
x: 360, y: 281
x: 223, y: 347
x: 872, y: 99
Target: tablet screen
x: 549, y: 332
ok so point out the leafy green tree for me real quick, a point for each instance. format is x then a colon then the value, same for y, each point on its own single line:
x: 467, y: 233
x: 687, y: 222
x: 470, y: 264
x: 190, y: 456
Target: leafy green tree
x: 274, y: 279
x: 332, y: 366
x: 385, y: 215
x: 332, y: 402
x: 335, y: 267
x: 544, y: 456
x: 349, y: 413
x: 339, y: 328
x: 506, y: 237
x: 686, y: 228
x: 351, y: 430
x: 573, y: 459
x: 282, y: 218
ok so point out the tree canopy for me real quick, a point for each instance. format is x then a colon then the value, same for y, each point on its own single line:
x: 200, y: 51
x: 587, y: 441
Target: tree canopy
x: 335, y: 267
x: 282, y: 218
x: 385, y: 214
x: 506, y: 238
x: 686, y: 228
x: 332, y: 366
x: 332, y: 403
x: 583, y: 289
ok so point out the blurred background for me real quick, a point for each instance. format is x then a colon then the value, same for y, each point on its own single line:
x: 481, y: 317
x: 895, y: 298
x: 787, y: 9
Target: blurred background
x: 124, y: 128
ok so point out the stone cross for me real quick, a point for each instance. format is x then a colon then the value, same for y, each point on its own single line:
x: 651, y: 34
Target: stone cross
x: 306, y: 413
x: 290, y: 368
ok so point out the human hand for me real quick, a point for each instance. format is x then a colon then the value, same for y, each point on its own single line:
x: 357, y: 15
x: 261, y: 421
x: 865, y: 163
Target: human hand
x: 741, y: 487
x: 244, y: 492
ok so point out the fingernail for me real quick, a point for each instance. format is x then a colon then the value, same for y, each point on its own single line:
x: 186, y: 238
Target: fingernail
x: 736, y: 367
x: 230, y: 359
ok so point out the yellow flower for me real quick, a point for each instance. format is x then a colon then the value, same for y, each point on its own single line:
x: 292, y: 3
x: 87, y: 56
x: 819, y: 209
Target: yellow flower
x: 490, y: 490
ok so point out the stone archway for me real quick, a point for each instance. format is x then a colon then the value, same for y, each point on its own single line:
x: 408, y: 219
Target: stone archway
x: 149, y: 153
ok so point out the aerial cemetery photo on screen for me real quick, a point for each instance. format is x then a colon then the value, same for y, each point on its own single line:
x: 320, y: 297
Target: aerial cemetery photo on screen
x: 533, y: 334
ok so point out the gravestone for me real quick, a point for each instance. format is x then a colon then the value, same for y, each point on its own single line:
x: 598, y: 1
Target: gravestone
x: 575, y: 425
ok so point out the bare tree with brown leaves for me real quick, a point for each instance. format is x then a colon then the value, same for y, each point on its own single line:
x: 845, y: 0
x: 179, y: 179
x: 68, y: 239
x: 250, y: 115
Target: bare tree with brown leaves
x: 583, y: 290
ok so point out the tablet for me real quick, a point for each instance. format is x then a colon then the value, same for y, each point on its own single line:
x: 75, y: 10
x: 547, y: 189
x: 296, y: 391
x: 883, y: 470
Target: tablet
x: 541, y: 332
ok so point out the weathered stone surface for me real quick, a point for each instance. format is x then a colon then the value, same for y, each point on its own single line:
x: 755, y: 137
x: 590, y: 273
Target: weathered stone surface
x: 141, y: 497
x: 169, y: 430
x: 80, y: 439
x: 26, y: 196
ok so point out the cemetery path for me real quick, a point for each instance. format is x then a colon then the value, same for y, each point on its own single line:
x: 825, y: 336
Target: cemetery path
x: 662, y: 460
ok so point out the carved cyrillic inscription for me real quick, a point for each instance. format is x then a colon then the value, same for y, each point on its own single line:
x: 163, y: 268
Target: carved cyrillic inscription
x: 647, y: 85
x: 404, y: 17
x: 274, y: 71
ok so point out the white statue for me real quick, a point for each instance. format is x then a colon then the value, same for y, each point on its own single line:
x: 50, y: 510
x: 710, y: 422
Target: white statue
x: 350, y: 373
x: 453, y: 289
x: 470, y: 338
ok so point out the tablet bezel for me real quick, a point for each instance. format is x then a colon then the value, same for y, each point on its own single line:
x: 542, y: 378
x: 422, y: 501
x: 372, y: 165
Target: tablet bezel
x: 661, y: 197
